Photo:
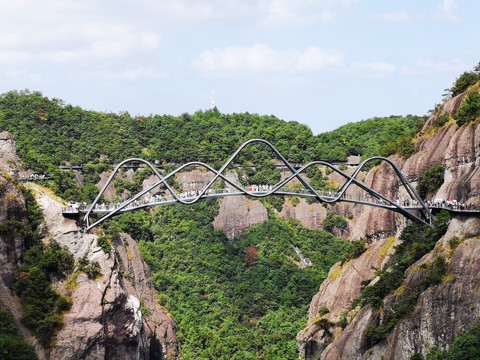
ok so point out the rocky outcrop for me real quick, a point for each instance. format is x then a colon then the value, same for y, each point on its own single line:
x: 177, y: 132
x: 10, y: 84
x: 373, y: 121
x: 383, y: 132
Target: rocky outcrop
x: 441, y: 313
x: 8, y: 152
x: 116, y: 315
x: 238, y: 213
x: 310, y: 215
x: 336, y: 294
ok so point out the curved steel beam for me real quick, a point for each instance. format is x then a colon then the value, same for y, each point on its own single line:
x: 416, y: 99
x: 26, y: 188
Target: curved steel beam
x: 350, y: 179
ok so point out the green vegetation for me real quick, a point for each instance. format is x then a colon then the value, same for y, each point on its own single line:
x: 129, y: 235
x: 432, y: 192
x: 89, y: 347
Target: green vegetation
x: 430, y: 181
x: 41, y: 305
x: 64, y: 133
x: 12, y: 346
x: 464, y: 81
x: 356, y: 249
x: 470, y: 109
x: 91, y: 268
x: 441, y: 120
x: 333, y: 221
x: 245, y: 299
x: 366, y: 138
x: 403, y: 146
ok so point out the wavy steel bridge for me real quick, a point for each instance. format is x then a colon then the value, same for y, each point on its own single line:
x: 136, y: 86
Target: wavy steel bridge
x: 418, y: 212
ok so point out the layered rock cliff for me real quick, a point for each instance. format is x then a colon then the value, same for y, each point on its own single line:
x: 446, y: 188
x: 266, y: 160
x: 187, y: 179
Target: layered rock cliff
x: 442, y: 311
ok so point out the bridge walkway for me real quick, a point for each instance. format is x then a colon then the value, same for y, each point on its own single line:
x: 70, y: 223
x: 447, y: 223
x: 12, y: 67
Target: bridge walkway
x: 192, y: 197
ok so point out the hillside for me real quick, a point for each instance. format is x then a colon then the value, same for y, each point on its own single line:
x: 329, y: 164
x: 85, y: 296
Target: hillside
x: 222, y: 293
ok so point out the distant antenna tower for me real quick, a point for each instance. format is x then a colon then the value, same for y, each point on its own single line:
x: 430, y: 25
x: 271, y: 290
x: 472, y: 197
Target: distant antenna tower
x: 213, y: 100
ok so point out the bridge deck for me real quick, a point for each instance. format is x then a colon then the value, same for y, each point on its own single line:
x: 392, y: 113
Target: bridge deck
x: 215, y: 193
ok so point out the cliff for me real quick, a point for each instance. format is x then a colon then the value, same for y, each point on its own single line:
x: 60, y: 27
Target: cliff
x: 442, y: 311
x: 116, y: 315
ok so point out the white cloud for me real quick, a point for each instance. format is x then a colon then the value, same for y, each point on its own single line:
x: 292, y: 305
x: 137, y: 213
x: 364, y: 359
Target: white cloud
x: 261, y: 57
x: 316, y: 59
x: 428, y: 67
x: 374, y: 69
x: 132, y: 74
x: 394, y: 17
x: 88, y: 42
x: 448, y: 11
x: 257, y: 13
x: 284, y: 13
x: 13, y: 56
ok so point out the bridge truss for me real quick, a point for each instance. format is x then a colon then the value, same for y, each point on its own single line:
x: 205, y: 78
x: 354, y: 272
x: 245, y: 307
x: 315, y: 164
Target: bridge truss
x: 419, y: 212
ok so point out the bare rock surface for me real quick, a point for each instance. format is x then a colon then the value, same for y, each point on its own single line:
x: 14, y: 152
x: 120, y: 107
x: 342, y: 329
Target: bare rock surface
x: 310, y: 215
x: 442, y: 311
x: 336, y: 294
x: 237, y: 213
x: 8, y: 151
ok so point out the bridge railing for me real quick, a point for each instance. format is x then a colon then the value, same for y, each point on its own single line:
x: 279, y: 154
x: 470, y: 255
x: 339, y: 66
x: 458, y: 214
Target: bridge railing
x: 254, y: 189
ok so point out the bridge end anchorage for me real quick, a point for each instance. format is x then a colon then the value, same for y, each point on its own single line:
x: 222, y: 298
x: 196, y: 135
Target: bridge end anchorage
x: 413, y: 208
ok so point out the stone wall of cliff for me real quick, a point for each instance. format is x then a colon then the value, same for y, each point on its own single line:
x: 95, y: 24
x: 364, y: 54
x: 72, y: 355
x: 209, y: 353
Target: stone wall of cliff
x: 116, y: 315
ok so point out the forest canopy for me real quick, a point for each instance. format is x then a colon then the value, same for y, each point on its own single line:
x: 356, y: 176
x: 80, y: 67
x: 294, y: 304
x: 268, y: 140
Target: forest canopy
x: 50, y: 132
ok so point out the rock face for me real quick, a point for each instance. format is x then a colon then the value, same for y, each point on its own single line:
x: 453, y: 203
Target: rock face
x: 443, y: 310
x: 310, y: 215
x: 336, y: 293
x: 8, y: 152
x: 238, y: 213
x: 115, y: 316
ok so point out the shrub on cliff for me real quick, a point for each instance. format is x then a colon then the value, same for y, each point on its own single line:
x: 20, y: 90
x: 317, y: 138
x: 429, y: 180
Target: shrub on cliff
x: 12, y: 346
x: 464, y: 81
x: 430, y: 181
x: 470, y: 109
x: 41, y: 305
x: 418, y: 240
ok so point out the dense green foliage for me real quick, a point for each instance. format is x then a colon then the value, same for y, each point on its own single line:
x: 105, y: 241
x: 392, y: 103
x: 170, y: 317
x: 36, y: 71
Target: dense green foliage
x: 418, y: 240
x: 356, y: 249
x: 333, y: 221
x: 441, y: 120
x: 430, y: 181
x: 12, y: 346
x: 365, y: 138
x: 41, y: 305
x: 470, y: 109
x: 64, y: 133
x: 245, y: 299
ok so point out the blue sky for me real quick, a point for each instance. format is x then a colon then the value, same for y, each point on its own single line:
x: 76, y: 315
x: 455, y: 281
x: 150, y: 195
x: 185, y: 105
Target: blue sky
x: 323, y: 63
